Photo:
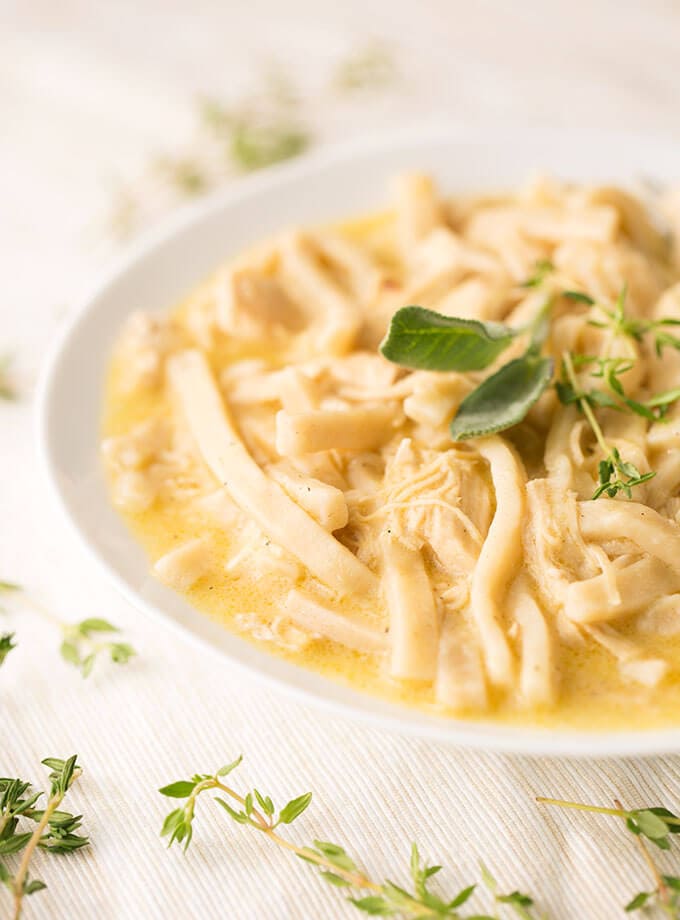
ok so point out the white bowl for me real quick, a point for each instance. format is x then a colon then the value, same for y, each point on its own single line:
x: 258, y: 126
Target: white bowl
x: 164, y: 266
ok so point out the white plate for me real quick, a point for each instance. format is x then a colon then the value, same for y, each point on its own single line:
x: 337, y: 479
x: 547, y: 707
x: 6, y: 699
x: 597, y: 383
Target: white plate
x: 164, y: 266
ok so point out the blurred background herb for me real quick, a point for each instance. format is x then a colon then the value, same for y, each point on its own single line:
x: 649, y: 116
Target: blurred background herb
x: 268, y: 124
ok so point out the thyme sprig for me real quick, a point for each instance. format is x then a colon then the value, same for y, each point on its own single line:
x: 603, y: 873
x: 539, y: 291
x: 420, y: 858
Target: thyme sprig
x: 55, y: 830
x: 385, y: 899
x: 609, y: 371
x: 614, y: 474
x: 84, y: 642
x: 617, y: 320
x: 653, y: 824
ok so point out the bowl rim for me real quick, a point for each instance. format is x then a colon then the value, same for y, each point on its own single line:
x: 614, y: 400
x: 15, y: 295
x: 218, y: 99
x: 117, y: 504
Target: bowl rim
x: 477, y: 735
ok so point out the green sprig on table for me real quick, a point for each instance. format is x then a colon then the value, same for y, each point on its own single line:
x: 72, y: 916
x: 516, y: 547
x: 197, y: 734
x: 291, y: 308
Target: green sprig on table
x: 383, y: 899
x: 49, y: 828
x: 83, y: 643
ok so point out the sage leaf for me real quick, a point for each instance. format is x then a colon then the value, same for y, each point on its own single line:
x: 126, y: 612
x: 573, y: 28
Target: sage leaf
x: 425, y: 340
x: 504, y: 398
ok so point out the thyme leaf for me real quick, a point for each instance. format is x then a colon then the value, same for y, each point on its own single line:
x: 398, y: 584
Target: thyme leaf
x: 504, y: 398
x: 6, y: 645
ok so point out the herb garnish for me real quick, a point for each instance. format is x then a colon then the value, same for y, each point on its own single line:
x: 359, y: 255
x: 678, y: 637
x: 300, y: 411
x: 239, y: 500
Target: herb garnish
x: 634, y: 328
x: 655, y: 825
x: 425, y: 340
x: 82, y: 642
x: 614, y: 474
x: 55, y: 830
x: 337, y: 868
x: 6, y: 645
x: 542, y: 269
x: 419, y: 338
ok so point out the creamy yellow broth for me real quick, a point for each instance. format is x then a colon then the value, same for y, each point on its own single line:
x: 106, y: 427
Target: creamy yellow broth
x: 592, y: 696
x: 592, y: 693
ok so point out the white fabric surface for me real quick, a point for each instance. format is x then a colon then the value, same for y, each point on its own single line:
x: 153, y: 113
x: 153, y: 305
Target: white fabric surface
x: 90, y: 90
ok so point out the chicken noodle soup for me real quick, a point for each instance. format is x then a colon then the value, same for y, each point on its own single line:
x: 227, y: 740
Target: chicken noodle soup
x: 311, y: 494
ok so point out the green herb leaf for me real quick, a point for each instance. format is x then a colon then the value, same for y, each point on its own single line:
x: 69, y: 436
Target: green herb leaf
x: 256, y: 145
x: 224, y: 771
x: 666, y: 398
x: 265, y: 803
x: 6, y: 645
x: 333, y: 879
x: 94, y: 624
x: 504, y: 398
x: 69, y: 652
x: 294, y: 808
x: 579, y: 297
x: 34, y: 886
x: 543, y: 268
x: 646, y: 824
x: 374, y: 904
x: 515, y: 897
x: 425, y: 340
x: 83, y: 644
x: 462, y: 897
x: 239, y: 816
x: 14, y: 844
x: 182, y: 789
x: 172, y: 821
x: 638, y: 901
